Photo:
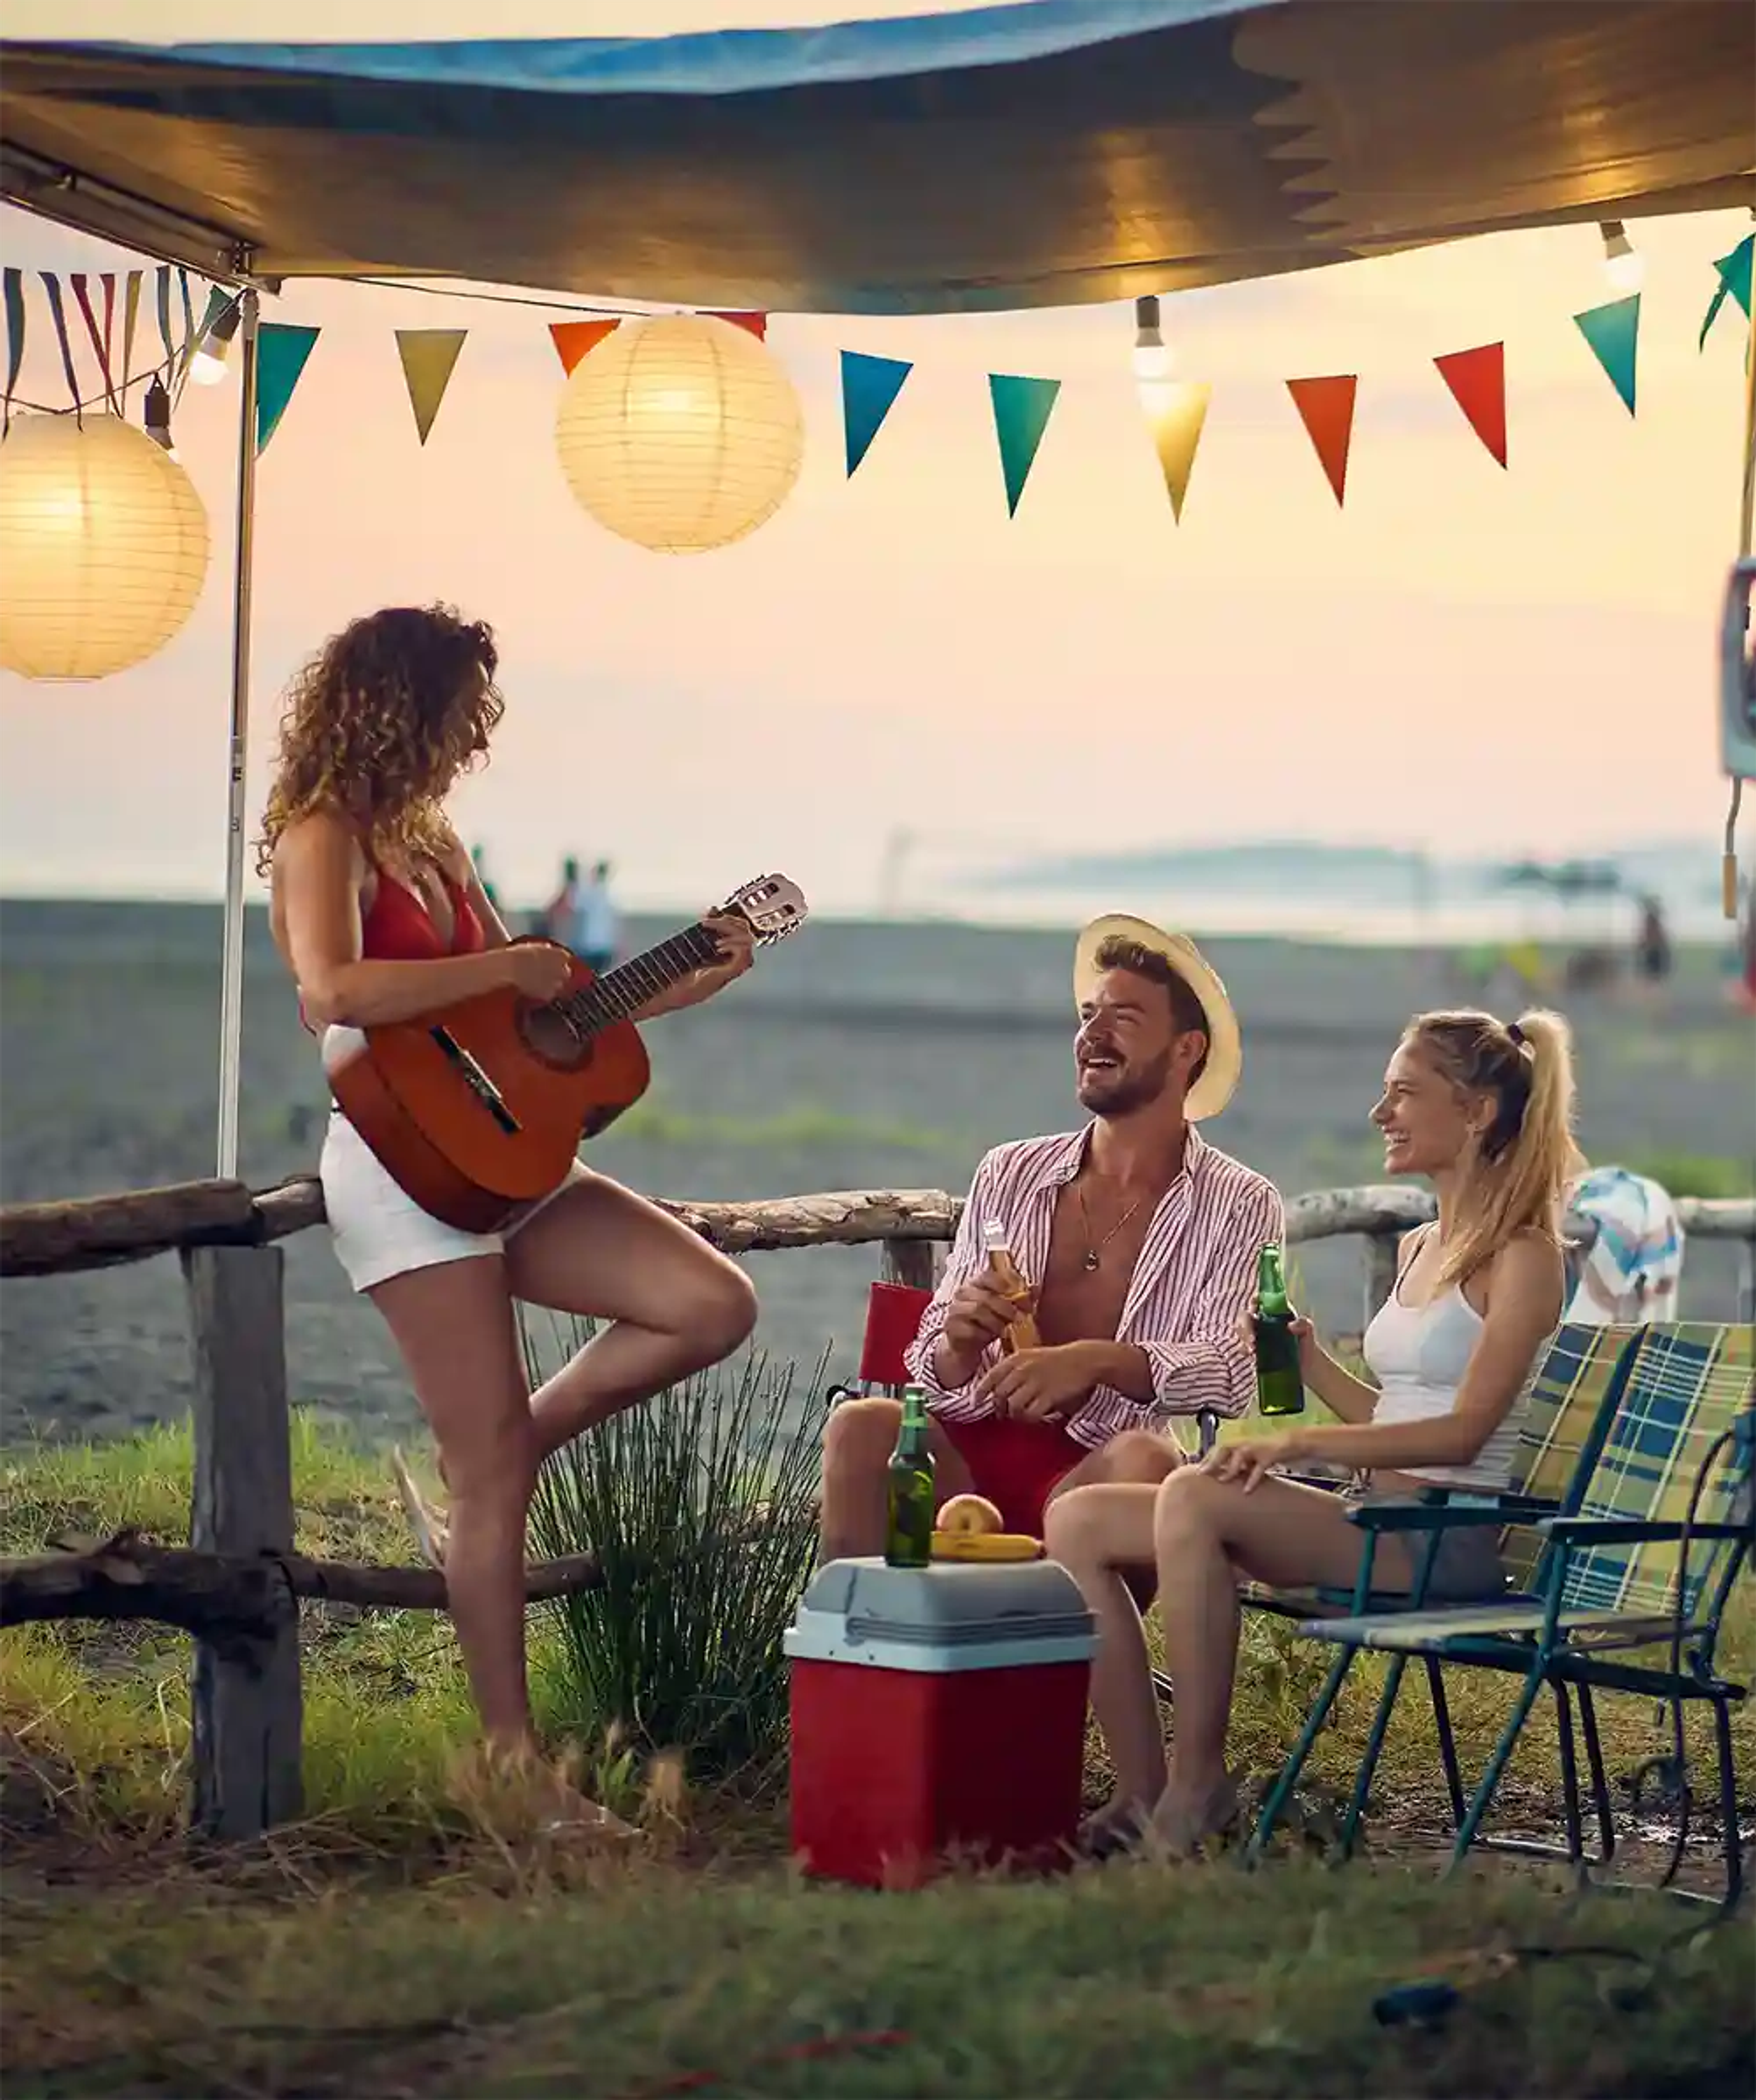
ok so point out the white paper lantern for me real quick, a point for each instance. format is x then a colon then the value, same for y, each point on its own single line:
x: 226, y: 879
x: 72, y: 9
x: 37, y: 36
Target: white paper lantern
x: 103, y: 546
x: 681, y: 433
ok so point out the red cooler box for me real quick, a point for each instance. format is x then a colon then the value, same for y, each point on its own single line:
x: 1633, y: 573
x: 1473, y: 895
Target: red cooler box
x: 938, y: 1713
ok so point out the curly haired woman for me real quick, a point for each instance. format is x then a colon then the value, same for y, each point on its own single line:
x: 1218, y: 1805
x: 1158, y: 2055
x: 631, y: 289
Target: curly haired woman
x: 381, y: 917
x: 1484, y: 1112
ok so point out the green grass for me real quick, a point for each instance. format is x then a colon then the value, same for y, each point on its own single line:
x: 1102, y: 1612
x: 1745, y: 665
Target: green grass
x: 1693, y: 1174
x: 394, y: 1945
x: 1127, y: 1981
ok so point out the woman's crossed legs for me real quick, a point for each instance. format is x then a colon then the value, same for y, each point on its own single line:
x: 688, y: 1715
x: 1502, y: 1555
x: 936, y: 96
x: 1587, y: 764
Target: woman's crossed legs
x: 1201, y: 1534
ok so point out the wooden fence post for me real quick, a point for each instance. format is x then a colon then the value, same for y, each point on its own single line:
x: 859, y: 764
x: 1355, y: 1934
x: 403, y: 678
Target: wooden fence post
x: 245, y: 1697
x: 1380, y: 1273
x: 909, y: 1261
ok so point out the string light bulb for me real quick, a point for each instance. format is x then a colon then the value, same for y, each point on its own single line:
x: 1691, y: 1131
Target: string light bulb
x: 1152, y: 360
x: 1623, y: 263
x: 207, y: 368
x: 156, y: 415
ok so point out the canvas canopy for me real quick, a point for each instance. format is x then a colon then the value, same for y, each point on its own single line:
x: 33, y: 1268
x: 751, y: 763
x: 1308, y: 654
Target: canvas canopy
x: 1024, y: 155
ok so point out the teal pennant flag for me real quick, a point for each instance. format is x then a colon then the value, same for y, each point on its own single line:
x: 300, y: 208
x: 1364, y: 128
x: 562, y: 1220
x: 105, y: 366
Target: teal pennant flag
x: 1613, y: 332
x: 1734, y: 279
x: 1021, y: 410
x: 281, y: 354
x: 869, y: 387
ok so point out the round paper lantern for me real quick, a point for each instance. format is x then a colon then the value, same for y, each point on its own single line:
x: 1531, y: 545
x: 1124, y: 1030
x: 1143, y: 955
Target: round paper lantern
x: 681, y: 433
x: 102, y: 546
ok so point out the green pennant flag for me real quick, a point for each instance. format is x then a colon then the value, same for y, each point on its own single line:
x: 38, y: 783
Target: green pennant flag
x: 1021, y: 410
x: 869, y: 388
x: 1735, y: 271
x: 1614, y: 331
x: 281, y: 354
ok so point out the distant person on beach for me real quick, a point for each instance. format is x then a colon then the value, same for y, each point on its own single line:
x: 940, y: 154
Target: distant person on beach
x: 381, y: 917
x: 479, y: 862
x: 1651, y: 946
x: 1138, y: 1240
x: 581, y: 915
x: 1484, y: 1112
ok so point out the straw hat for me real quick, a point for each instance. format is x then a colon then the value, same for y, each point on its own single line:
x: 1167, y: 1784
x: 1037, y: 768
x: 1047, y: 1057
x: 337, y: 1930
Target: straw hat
x: 1225, y: 1048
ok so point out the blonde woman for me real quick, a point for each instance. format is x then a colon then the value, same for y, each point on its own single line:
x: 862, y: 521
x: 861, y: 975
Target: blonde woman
x: 1484, y: 1112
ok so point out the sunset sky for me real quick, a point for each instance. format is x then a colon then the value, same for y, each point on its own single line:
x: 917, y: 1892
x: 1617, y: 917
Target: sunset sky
x: 1473, y: 659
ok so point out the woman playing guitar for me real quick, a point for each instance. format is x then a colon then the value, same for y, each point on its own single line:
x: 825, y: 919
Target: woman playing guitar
x: 382, y: 918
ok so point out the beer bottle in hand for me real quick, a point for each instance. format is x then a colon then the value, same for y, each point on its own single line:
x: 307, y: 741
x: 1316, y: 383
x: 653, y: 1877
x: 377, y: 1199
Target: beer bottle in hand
x: 1280, y: 1386
x: 1023, y: 1333
x: 909, y: 1502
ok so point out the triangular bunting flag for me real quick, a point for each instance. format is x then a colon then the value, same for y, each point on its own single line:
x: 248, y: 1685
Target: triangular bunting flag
x: 1177, y: 413
x: 572, y: 339
x: 869, y: 386
x: 281, y: 354
x: 756, y: 323
x: 1613, y: 332
x: 1735, y: 271
x: 1326, y: 408
x: 1477, y: 380
x: 429, y: 356
x: 1021, y: 410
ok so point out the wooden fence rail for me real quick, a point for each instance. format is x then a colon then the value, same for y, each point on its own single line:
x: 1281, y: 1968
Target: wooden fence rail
x: 237, y: 1586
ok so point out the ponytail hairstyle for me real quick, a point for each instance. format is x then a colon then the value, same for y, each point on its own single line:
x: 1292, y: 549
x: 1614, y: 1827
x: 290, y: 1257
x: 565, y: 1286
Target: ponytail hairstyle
x: 1517, y: 1180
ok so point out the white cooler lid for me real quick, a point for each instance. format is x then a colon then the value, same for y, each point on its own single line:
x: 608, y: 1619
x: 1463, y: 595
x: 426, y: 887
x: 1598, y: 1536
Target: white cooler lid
x: 1002, y: 1611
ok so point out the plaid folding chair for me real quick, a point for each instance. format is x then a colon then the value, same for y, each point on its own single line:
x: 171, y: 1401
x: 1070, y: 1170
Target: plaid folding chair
x: 1568, y: 1406
x: 1645, y: 1551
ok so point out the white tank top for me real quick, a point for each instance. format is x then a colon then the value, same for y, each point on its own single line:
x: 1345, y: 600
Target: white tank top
x: 1418, y: 1355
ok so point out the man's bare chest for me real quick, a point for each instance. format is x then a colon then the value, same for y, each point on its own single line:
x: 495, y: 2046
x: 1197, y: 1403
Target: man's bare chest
x: 1091, y: 1265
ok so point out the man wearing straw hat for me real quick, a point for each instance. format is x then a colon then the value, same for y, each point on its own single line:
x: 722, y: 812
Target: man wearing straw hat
x: 1138, y: 1240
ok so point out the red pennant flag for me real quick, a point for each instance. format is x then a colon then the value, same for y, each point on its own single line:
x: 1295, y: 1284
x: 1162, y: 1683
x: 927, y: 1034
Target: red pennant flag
x: 1325, y: 407
x: 1477, y: 380
x: 572, y: 339
x: 756, y: 323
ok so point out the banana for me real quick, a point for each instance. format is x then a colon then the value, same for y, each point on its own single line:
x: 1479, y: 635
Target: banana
x: 985, y: 1546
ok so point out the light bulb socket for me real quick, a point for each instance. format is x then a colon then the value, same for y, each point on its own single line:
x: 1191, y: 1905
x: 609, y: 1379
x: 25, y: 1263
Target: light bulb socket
x: 156, y: 414
x: 217, y: 339
x: 1616, y: 241
x: 1146, y: 312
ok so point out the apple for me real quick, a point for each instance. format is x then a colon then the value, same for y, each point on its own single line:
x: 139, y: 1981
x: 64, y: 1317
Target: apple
x: 970, y: 1513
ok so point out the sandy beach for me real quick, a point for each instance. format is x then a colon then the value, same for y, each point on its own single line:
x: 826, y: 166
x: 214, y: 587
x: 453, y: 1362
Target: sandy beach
x: 857, y: 1055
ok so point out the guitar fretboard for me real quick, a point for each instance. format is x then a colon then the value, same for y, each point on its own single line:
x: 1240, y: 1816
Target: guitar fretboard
x: 626, y: 988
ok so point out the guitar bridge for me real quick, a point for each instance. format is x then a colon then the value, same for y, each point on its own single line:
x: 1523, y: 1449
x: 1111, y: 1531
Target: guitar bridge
x: 477, y: 1081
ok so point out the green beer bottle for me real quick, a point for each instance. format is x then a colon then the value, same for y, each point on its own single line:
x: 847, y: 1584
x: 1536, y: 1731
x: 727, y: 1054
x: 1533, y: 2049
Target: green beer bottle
x: 909, y: 1501
x: 1280, y: 1387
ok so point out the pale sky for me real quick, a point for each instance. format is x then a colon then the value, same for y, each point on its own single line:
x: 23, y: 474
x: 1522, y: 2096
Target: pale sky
x: 1478, y: 660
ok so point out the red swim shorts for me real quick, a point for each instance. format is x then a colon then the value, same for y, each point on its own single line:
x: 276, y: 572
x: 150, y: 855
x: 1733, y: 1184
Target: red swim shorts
x: 1017, y: 1465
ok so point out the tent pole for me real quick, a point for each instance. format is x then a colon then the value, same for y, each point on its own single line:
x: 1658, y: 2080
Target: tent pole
x: 231, y: 953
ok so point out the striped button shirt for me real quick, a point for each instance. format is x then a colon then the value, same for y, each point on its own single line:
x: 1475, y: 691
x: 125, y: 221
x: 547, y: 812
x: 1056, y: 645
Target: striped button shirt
x: 1193, y: 1283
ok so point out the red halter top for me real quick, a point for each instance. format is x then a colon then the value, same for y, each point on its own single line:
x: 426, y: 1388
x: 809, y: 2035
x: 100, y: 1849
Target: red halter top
x: 398, y: 928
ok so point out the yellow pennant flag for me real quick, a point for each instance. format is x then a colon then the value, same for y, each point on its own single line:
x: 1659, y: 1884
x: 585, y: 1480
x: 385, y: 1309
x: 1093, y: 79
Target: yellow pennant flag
x: 1175, y: 412
x: 429, y: 357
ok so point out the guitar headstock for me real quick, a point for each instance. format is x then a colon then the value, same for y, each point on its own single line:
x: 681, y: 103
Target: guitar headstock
x: 773, y: 907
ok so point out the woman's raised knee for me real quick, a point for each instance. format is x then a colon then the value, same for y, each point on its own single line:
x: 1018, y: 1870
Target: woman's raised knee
x: 719, y: 1312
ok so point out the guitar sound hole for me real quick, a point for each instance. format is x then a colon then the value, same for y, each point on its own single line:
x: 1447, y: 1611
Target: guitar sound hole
x: 549, y: 1035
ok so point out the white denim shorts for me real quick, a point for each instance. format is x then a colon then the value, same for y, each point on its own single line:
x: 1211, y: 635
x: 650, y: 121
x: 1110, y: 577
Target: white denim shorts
x: 380, y: 1232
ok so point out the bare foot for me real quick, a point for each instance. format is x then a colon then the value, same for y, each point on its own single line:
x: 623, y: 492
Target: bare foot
x: 1118, y: 1826
x: 1183, y: 1822
x: 426, y: 1522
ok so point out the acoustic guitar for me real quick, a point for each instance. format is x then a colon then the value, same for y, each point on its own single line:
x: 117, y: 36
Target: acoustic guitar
x: 479, y: 1108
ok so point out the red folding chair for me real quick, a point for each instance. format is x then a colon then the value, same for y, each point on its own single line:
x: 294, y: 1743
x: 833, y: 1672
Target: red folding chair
x: 893, y: 1319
